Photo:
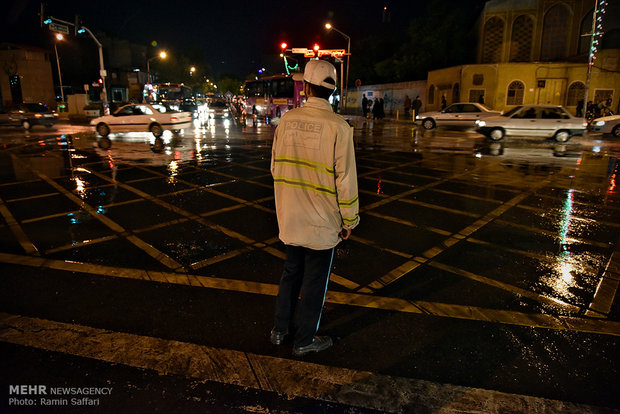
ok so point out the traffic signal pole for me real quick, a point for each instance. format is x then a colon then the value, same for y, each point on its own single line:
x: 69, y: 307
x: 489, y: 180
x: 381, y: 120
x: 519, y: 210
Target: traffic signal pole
x: 102, y: 72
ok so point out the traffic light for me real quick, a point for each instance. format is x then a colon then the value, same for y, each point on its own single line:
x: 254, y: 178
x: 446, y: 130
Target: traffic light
x: 77, y: 26
x: 316, y: 47
x: 283, y: 46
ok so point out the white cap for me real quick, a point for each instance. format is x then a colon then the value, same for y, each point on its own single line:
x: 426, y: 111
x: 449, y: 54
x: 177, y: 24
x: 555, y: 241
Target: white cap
x: 320, y: 72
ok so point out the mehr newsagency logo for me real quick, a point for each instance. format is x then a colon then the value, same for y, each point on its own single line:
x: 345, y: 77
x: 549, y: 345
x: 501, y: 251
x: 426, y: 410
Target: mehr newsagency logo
x: 42, y: 395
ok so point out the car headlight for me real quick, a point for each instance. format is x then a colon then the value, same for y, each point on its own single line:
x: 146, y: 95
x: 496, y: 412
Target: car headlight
x: 480, y: 123
x: 599, y: 123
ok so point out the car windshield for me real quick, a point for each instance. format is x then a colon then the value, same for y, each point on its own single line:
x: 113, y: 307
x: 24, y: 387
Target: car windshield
x: 513, y: 111
x: 217, y: 104
x: 32, y: 107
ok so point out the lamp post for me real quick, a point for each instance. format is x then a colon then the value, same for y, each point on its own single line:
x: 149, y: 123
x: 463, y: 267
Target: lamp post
x: 161, y: 55
x: 62, y: 92
x: 328, y: 26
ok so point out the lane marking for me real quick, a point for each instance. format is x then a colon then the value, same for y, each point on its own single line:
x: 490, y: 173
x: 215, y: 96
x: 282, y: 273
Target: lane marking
x: 406, y: 268
x: 147, y: 248
x: 82, y: 243
x: 439, y: 208
x: 552, y: 234
x: 16, y: 229
x: 507, y: 287
x: 30, y: 198
x: 293, y: 378
x: 557, y: 322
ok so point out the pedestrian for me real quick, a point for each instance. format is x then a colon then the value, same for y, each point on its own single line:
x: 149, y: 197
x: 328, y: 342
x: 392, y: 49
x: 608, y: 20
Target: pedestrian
x: 481, y: 99
x: 444, y: 103
x: 364, y: 105
x: 416, y: 105
x: 376, y: 109
x: 407, y: 105
x: 315, y: 185
x: 579, y: 112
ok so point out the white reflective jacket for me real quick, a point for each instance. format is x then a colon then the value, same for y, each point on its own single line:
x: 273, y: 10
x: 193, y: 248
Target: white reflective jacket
x: 314, y: 174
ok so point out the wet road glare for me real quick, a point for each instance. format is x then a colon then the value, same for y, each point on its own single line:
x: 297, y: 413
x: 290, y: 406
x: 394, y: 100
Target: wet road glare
x: 476, y: 264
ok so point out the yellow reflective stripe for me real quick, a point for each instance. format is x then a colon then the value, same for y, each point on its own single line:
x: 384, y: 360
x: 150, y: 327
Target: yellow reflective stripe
x: 350, y: 219
x: 308, y: 185
x: 305, y: 163
x: 348, y: 202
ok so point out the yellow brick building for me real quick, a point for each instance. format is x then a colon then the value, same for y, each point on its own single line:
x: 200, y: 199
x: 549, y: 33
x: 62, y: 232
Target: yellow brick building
x: 534, y: 51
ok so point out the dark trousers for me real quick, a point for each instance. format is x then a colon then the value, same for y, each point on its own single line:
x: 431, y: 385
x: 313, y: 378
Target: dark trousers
x: 306, y: 271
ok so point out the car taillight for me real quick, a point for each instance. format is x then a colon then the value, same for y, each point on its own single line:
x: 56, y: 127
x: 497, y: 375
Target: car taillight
x: 174, y: 119
x: 56, y: 114
x: 38, y: 115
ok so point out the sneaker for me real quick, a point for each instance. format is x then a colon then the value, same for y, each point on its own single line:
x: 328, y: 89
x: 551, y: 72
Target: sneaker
x: 319, y: 343
x: 277, y: 337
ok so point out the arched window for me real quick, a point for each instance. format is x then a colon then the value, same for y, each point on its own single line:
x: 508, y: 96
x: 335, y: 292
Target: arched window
x: 515, y: 93
x: 493, y: 38
x: 431, y: 95
x: 521, y: 39
x: 576, y: 92
x: 555, y: 33
x: 456, y: 93
x: 585, y: 29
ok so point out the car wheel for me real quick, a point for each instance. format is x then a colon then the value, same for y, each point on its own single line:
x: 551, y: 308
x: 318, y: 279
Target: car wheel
x: 26, y: 124
x: 616, y: 131
x: 496, y: 134
x: 428, y: 123
x: 103, y: 130
x: 156, y: 130
x: 561, y: 136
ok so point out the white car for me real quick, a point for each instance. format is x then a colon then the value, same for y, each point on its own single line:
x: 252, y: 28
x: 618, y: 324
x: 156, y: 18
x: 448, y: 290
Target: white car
x: 464, y: 114
x: 533, y: 121
x: 607, y: 125
x: 153, y: 118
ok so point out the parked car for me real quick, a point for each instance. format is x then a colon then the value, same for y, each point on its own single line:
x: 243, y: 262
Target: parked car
x: 155, y: 118
x: 606, y: 125
x: 27, y: 115
x: 218, y: 109
x: 464, y: 114
x: 533, y: 120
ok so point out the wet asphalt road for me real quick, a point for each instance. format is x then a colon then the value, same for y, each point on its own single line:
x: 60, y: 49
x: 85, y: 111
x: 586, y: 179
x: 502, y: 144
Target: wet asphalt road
x: 482, y: 276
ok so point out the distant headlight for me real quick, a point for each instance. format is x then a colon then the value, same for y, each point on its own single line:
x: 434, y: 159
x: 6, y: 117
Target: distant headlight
x: 225, y: 114
x: 599, y: 123
x: 480, y: 123
x: 258, y: 107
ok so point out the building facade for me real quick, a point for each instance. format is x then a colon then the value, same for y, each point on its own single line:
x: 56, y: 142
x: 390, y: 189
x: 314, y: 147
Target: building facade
x: 534, y: 52
x: 26, y: 75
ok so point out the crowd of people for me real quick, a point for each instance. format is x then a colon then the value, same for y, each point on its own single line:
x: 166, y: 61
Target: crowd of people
x: 375, y: 108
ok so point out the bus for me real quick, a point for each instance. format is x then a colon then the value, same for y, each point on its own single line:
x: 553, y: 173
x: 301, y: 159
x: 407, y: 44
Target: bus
x: 172, y: 93
x: 272, y: 96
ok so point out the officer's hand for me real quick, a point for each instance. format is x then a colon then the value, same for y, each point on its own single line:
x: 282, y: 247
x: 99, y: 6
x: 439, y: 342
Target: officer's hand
x: 345, y: 233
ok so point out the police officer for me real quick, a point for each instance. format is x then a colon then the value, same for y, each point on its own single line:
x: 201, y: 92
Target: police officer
x: 315, y: 185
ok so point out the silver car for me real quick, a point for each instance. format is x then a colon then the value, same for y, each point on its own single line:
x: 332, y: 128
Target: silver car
x: 462, y: 114
x: 607, y: 125
x: 533, y: 121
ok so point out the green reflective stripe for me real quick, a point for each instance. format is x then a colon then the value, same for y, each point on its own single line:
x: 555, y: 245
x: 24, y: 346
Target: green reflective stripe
x: 350, y: 219
x: 305, y: 163
x: 348, y: 202
x: 308, y: 185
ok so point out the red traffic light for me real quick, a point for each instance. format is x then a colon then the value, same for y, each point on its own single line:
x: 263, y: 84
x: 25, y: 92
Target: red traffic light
x: 316, y: 47
x: 283, y: 45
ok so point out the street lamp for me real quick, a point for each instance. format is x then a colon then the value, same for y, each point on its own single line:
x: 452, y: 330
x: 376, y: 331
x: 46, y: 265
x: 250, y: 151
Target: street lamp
x: 62, y: 92
x: 161, y: 55
x: 192, y: 70
x: 329, y: 26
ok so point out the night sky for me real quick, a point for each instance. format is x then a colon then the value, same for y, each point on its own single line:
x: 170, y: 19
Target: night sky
x: 236, y: 36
